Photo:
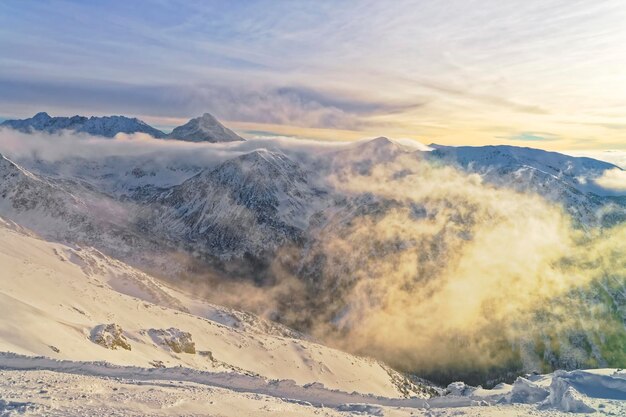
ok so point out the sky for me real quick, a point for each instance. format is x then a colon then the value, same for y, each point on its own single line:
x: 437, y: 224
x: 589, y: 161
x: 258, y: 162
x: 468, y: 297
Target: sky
x: 547, y: 74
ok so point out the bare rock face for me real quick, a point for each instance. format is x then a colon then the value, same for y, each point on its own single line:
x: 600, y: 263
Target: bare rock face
x: 177, y: 340
x: 110, y: 336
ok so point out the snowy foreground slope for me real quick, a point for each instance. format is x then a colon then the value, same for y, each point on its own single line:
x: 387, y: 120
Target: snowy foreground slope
x: 85, y: 390
x: 83, y: 334
x: 60, y: 302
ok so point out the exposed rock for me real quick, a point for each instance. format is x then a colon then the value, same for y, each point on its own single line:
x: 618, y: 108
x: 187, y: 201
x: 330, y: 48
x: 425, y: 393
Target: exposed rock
x: 459, y: 389
x: 157, y: 364
x: 109, y: 336
x: 177, y: 340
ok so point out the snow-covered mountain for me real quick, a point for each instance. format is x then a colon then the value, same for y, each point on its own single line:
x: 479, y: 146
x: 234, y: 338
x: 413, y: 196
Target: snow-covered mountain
x: 205, y: 128
x: 106, y: 126
x: 74, y: 212
x: 250, y: 204
x: 330, y: 210
x: 123, y: 177
x: 40, y: 203
x: 569, y: 168
x: 560, y: 178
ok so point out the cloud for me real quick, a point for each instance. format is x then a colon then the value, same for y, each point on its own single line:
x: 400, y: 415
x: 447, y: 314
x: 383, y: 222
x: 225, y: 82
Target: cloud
x: 442, y: 272
x: 254, y: 104
x: 68, y: 145
x: 531, y: 136
x: 617, y: 157
x: 613, y: 179
x: 607, y: 125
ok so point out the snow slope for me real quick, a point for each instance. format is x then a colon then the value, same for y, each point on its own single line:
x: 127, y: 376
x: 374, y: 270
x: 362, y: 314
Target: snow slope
x: 57, y: 298
x: 40, y: 385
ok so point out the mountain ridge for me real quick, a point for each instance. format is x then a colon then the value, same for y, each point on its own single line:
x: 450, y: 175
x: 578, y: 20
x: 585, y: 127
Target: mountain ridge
x: 106, y: 126
x: 205, y: 128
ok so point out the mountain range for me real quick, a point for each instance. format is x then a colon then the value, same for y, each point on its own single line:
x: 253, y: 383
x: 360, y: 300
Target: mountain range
x: 325, y: 223
x: 205, y: 128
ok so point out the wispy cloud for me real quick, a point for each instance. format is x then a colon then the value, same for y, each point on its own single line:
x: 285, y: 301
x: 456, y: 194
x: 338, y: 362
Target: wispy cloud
x: 286, y: 105
x: 445, y: 70
x: 531, y: 136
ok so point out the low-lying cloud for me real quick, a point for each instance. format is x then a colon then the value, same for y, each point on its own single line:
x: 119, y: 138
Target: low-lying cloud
x: 613, y: 179
x: 435, y: 272
x: 441, y: 274
x: 67, y: 145
x: 616, y: 157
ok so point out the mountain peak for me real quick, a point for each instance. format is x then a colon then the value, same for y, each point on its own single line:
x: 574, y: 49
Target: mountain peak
x: 41, y: 116
x: 377, y: 146
x: 378, y: 143
x: 262, y: 160
x: 208, y: 117
x: 205, y: 128
x: 382, y: 140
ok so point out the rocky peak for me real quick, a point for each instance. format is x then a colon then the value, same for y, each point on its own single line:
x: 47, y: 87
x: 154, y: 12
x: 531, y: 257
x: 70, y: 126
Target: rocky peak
x: 205, y: 128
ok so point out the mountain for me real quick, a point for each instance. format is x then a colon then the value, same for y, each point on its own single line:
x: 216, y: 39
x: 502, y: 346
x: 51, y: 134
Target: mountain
x: 362, y: 157
x: 560, y: 178
x: 337, y: 222
x: 575, y: 171
x: 119, y: 176
x: 27, y: 198
x: 250, y: 204
x: 107, y: 126
x: 85, y: 334
x: 74, y: 212
x: 205, y: 128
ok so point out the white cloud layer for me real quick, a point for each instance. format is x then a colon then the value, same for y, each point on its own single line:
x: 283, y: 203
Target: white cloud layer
x: 617, y: 157
x: 613, y: 179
